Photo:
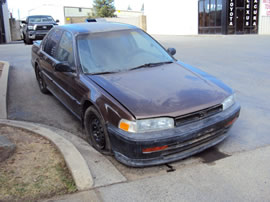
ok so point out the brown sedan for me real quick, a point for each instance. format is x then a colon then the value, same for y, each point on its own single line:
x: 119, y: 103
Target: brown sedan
x: 134, y: 99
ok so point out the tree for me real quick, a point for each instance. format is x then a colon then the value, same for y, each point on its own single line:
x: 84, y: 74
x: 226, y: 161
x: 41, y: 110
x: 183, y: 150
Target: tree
x: 103, y: 8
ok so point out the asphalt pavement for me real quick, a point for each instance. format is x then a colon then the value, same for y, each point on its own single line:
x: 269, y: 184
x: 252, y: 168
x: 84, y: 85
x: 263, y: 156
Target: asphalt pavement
x: 242, y: 62
x: 25, y: 101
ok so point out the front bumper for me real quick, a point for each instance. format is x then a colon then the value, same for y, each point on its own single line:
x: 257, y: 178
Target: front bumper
x: 37, y: 35
x: 181, y: 142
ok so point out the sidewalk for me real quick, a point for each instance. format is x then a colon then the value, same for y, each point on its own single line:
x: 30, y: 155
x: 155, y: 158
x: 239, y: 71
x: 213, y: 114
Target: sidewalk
x: 242, y: 177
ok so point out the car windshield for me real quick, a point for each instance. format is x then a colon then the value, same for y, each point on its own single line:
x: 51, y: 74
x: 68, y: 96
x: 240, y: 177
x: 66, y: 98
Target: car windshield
x: 40, y: 19
x: 115, y: 51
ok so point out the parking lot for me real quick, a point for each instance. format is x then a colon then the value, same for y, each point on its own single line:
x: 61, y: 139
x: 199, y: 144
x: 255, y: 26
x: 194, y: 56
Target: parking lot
x: 242, y: 62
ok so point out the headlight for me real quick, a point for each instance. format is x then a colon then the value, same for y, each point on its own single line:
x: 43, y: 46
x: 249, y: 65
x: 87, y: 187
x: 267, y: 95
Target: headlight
x: 30, y: 27
x: 146, y: 125
x: 228, y: 102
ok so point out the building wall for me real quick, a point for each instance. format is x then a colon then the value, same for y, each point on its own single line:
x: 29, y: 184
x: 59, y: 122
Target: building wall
x: 56, y: 8
x: 172, y: 17
x: 139, y: 21
x: 15, y: 29
x: 6, y: 22
x: 77, y: 11
x: 264, y: 18
x: 127, y: 13
x: 74, y: 20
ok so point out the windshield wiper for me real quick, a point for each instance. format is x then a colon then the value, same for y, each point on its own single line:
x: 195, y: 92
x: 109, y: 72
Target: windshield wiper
x: 98, y: 73
x: 151, y: 65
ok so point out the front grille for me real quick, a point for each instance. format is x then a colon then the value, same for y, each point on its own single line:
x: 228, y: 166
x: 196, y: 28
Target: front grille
x: 198, y: 115
x: 44, y: 27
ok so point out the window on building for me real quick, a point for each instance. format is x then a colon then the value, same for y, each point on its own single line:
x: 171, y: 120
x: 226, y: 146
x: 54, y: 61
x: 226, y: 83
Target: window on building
x: 218, y: 12
x: 210, y: 16
x: 206, y: 15
x: 240, y: 3
x: 212, y: 13
x: 201, y: 13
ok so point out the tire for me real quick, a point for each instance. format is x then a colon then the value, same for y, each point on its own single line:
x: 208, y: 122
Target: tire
x: 24, y: 39
x: 27, y: 40
x: 96, y: 132
x: 41, y: 83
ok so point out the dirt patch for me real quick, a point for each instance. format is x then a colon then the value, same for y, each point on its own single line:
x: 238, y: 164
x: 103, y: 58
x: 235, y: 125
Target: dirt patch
x: 36, y: 170
x: 1, y: 68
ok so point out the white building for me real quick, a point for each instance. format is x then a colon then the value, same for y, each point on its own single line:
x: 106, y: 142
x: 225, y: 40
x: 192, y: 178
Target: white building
x: 172, y: 17
x: 192, y: 17
x: 60, y: 9
x: 264, y: 19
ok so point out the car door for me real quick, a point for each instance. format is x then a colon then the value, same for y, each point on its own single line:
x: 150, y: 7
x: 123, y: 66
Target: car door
x: 48, y: 61
x: 67, y: 81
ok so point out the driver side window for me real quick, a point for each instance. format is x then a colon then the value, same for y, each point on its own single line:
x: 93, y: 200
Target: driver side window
x: 51, y: 42
x: 65, y: 50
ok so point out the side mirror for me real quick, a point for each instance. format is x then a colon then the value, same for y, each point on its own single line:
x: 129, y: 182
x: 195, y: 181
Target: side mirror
x: 171, y: 51
x: 23, y: 22
x: 63, y: 67
x: 57, y: 21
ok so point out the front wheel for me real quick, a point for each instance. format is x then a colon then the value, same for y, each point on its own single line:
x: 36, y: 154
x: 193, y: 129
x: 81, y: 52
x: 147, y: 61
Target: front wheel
x: 96, y: 131
x: 27, y: 40
x: 41, y: 83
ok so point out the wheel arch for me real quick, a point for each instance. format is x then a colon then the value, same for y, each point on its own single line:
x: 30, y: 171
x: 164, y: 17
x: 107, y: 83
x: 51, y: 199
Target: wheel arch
x: 36, y: 66
x: 86, y: 104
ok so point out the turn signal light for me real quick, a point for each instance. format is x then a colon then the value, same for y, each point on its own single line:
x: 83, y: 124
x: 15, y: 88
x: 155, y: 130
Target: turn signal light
x: 124, y: 126
x: 154, y: 149
x: 231, y: 122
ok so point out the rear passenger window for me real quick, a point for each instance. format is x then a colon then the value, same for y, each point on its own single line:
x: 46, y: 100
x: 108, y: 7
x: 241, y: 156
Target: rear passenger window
x: 52, y: 41
x: 65, y: 49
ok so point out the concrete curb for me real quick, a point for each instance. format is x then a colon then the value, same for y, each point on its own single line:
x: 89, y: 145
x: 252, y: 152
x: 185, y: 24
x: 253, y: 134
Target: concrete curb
x: 73, y: 158
x: 3, y: 90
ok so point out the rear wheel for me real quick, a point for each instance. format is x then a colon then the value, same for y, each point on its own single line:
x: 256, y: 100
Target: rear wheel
x: 41, y: 83
x: 24, y: 39
x: 27, y: 40
x: 96, y: 131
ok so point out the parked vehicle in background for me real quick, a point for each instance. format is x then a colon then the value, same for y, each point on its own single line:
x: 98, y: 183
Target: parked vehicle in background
x: 35, y: 27
x: 134, y: 99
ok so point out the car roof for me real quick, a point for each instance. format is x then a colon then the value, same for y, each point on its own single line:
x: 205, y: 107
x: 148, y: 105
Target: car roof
x: 93, y: 27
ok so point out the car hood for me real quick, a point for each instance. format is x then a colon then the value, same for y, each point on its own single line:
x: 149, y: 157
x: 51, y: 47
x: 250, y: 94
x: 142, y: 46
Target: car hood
x: 167, y: 90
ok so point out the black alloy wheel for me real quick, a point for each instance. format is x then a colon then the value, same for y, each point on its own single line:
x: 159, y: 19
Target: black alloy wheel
x: 96, y: 132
